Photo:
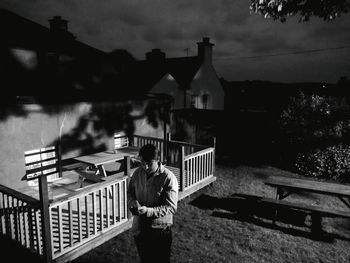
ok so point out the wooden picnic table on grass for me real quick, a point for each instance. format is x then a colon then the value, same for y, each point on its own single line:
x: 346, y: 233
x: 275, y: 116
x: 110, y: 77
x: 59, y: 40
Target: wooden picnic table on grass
x: 286, y: 186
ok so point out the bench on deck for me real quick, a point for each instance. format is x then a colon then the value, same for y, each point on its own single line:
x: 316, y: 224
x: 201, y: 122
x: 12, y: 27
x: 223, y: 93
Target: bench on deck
x: 120, y: 141
x: 42, y: 161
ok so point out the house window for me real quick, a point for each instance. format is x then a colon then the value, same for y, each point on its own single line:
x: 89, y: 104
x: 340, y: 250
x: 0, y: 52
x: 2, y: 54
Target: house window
x: 205, y: 99
x: 194, y: 101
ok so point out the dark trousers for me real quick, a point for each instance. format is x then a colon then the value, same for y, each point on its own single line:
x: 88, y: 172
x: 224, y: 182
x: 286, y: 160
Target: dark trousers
x: 154, y: 245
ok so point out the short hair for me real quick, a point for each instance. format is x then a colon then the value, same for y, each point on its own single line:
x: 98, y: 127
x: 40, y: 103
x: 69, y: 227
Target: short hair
x: 148, y: 152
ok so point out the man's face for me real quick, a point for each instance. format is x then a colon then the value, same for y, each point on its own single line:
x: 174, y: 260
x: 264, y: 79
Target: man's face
x: 150, y: 167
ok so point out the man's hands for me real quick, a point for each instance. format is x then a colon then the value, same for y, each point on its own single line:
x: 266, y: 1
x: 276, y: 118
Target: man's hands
x: 137, y: 209
x: 134, y: 206
x: 142, y: 210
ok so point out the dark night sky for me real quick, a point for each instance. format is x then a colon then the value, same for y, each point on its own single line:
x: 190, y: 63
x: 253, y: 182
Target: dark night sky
x: 245, y: 44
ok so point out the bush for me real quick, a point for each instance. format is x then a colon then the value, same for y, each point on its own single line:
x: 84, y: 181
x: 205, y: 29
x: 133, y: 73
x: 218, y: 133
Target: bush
x: 332, y: 162
x: 309, y: 121
x: 315, y: 134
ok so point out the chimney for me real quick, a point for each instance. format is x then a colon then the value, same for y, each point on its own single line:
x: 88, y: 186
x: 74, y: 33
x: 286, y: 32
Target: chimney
x: 57, y: 24
x: 156, y: 55
x: 205, y: 49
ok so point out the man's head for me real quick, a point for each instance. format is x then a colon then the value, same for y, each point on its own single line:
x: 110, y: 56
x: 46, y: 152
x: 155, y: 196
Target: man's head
x: 149, y: 158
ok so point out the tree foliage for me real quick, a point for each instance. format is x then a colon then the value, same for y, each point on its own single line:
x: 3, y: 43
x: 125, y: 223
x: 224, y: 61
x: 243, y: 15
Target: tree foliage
x: 281, y: 9
x: 314, y: 120
x: 316, y: 130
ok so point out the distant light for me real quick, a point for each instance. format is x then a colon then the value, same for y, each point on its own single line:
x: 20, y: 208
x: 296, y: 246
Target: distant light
x: 323, y: 86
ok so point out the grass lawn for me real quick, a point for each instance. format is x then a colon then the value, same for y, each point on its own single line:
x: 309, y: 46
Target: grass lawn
x: 209, y: 227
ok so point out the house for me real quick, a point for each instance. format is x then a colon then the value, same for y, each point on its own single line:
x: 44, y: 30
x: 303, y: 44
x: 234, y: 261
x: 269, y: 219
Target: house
x: 191, y: 81
x: 64, y: 93
x: 65, y: 100
x: 46, y: 62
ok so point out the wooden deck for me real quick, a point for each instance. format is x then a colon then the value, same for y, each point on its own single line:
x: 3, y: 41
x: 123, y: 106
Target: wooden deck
x: 79, y: 219
x: 94, y: 214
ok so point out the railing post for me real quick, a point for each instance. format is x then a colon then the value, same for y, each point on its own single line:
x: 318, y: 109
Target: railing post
x: 45, y: 219
x: 127, y: 166
x: 182, y: 168
x: 165, y: 136
x: 214, y: 145
x: 166, y: 148
x: 127, y: 173
x: 7, y: 216
x: 59, y: 159
x: 131, y: 140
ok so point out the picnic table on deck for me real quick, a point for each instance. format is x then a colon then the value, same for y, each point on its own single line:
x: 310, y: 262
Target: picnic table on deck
x: 101, y: 158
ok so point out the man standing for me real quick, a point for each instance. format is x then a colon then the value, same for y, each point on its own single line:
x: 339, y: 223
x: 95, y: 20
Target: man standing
x: 152, y: 195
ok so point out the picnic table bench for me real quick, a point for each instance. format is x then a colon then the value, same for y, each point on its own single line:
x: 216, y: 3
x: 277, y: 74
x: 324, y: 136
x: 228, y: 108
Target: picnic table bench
x: 286, y: 186
x: 312, y: 209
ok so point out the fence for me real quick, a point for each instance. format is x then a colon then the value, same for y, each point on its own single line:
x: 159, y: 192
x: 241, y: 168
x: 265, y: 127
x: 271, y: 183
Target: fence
x: 139, y: 141
x: 197, y: 167
x: 169, y: 149
x: 20, y: 219
x: 81, y: 217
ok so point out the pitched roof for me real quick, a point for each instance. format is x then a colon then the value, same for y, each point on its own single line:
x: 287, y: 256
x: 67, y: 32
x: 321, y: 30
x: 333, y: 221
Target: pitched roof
x: 17, y: 31
x: 64, y: 69
x: 183, y: 69
x: 143, y: 75
x: 82, y: 73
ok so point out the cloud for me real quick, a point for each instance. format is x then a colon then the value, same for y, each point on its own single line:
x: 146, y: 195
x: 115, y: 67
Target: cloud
x: 172, y: 25
x: 132, y: 19
x: 92, y: 29
x: 335, y: 31
x: 72, y: 5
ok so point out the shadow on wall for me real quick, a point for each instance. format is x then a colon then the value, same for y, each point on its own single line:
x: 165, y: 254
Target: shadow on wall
x: 103, y: 121
x: 57, y: 87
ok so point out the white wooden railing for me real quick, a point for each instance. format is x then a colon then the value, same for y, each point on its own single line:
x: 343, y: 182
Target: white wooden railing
x: 20, y: 219
x: 139, y: 141
x: 191, y: 163
x: 169, y: 149
x: 197, y: 167
x: 174, y: 156
x: 78, y: 218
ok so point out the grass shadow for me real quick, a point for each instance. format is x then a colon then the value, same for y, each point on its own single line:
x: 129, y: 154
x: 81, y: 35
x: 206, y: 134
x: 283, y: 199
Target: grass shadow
x: 289, y: 221
x: 12, y: 251
x: 261, y: 175
x: 258, y: 221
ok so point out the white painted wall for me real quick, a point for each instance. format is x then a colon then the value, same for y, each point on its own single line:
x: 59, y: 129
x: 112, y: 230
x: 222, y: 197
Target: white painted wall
x: 207, y: 82
x: 168, y: 85
x: 39, y: 129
